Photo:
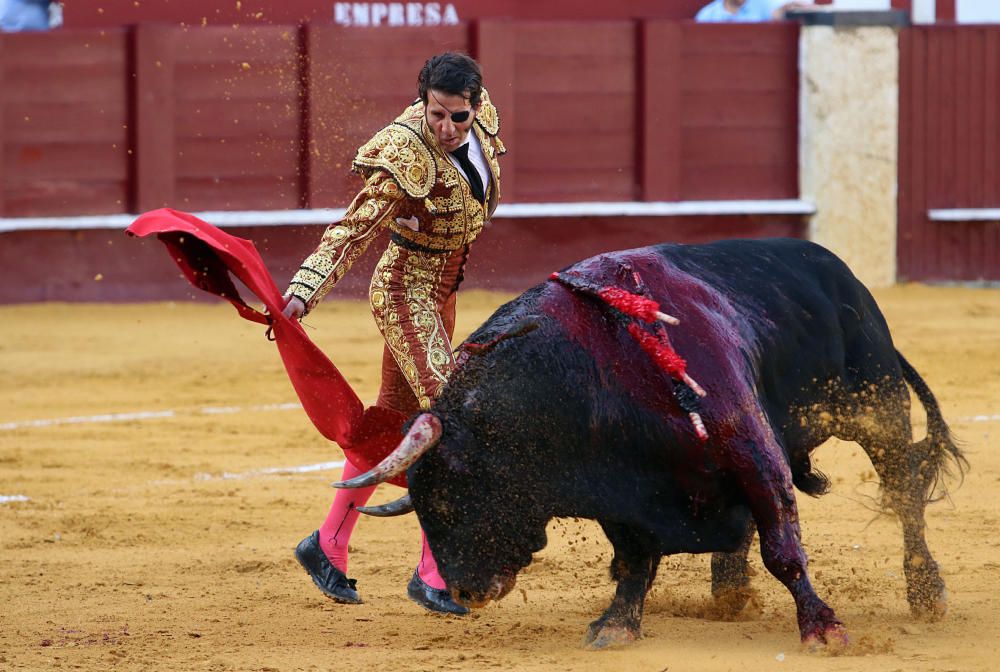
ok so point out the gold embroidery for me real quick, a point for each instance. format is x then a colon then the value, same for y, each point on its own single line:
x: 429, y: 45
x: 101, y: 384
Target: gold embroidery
x: 345, y: 241
x: 400, y: 151
x: 487, y: 117
x: 403, y: 298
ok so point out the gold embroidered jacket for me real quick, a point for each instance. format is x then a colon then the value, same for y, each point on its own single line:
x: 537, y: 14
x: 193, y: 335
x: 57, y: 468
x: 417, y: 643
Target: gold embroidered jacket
x: 406, y: 176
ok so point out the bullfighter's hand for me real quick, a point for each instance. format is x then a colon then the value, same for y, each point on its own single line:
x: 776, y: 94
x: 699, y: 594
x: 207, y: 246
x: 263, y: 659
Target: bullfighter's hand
x: 294, y: 308
x: 411, y: 223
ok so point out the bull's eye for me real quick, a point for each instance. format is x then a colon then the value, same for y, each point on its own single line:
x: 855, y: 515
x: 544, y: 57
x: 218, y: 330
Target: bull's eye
x: 471, y: 403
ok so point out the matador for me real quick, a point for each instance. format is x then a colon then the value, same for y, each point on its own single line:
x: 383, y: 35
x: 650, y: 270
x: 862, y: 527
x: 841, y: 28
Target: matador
x: 433, y: 179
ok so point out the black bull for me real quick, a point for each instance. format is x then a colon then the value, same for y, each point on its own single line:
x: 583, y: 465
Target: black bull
x: 566, y: 416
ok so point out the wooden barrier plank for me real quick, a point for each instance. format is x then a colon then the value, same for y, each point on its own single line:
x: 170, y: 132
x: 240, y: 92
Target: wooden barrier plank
x: 553, y: 97
x: 30, y: 162
x: 971, y: 129
x: 609, y: 151
x: 494, y: 44
x: 613, y: 78
x: 540, y: 186
x: 233, y: 81
x: 740, y: 109
x: 154, y: 181
x: 222, y: 44
x: 66, y: 49
x: 991, y: 151
x: 593, y: 41
x: 734, y: 146
x: 659, y: 141
x: 963, y: 74
x: 101, y: 121
x: 237, y: 118
x: 3, y: 122
x: 929, y: 248
x: 242, y: 156
x: 922, y: 116
x: 577, y: 111
x: 739, y: 40
x: 72, y: 197
x: 991, y: 112
x: 906, y: 139
x: 727, y: 182
x: 750, y: 72
x: 252, y: 192
x: 948, y: 153
x: 67, y: 84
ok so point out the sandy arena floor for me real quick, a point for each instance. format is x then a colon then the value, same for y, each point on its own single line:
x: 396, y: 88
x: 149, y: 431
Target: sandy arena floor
x: 165, y: 542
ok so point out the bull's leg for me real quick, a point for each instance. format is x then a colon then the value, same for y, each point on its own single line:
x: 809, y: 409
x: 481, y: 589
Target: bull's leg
x: 731, y: 576
x: 906, y: 473
x: 634, y: 568
x: 767, y: 483
x: 925, y: 590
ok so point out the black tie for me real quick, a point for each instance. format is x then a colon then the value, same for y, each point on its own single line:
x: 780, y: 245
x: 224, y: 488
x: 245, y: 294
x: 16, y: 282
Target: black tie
x: 475, y: 182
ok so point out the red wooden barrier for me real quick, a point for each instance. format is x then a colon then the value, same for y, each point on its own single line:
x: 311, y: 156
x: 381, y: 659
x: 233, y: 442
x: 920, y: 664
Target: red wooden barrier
x: 949, y: 151
x: 720, y: 111
x: 65, y: 136
x: 269, y: 117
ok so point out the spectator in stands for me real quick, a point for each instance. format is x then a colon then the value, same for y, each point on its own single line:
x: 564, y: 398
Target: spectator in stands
x: 432, y: 179
x: 746, y: 11
x: 23, y: 15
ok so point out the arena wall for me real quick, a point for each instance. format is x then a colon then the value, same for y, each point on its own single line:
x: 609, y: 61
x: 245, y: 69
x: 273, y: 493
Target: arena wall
x: 267, y: 118
x: 949, y: 179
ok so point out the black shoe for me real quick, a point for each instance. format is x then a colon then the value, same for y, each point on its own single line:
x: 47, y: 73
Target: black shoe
x: 433, y: 599
x: 333, y: 582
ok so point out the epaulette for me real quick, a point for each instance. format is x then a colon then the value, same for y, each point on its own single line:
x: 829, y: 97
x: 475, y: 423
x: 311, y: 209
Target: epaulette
x: 399, y: 150
x: 487, y: 117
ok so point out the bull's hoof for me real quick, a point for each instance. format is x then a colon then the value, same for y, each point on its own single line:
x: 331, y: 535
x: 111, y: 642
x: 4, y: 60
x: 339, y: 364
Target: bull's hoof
x: 929, y: 608
x: 830, y: 639
x: 729, y: 602
x: 609, y: 636
x: 925, y: 589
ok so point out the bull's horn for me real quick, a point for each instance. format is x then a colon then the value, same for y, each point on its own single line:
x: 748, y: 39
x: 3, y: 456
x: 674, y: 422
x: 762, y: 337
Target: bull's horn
x: 397, y: 507
x: 424, y: 434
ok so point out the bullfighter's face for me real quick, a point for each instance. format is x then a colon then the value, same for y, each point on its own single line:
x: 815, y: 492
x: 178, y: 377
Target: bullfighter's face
x: 449, y: 117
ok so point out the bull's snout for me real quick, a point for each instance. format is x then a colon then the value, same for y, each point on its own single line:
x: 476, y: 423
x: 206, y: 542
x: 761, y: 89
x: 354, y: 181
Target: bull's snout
x: 499, y: 587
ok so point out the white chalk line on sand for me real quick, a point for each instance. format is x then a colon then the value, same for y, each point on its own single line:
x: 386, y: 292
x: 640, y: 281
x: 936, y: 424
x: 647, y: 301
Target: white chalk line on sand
x: 146, y: 415
x: 301, y: 469
x: 13, y: 498
x: 981, y: 418
x: 224, y: 476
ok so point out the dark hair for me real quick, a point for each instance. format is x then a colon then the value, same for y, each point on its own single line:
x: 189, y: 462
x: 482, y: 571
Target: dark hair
x: 451, y: 72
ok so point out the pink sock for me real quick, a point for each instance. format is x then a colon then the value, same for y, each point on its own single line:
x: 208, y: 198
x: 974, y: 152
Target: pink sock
x: 428, y: 569
x: 335, y: 532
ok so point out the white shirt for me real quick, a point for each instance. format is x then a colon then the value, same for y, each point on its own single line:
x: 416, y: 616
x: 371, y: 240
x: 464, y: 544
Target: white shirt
x: 476, y: 157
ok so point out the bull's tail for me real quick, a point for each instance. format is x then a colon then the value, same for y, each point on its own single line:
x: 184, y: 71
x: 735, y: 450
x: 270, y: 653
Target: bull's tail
x: 942, y: 457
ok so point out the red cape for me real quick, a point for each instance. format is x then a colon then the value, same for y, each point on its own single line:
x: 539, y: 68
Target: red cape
x: 207, y: 256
